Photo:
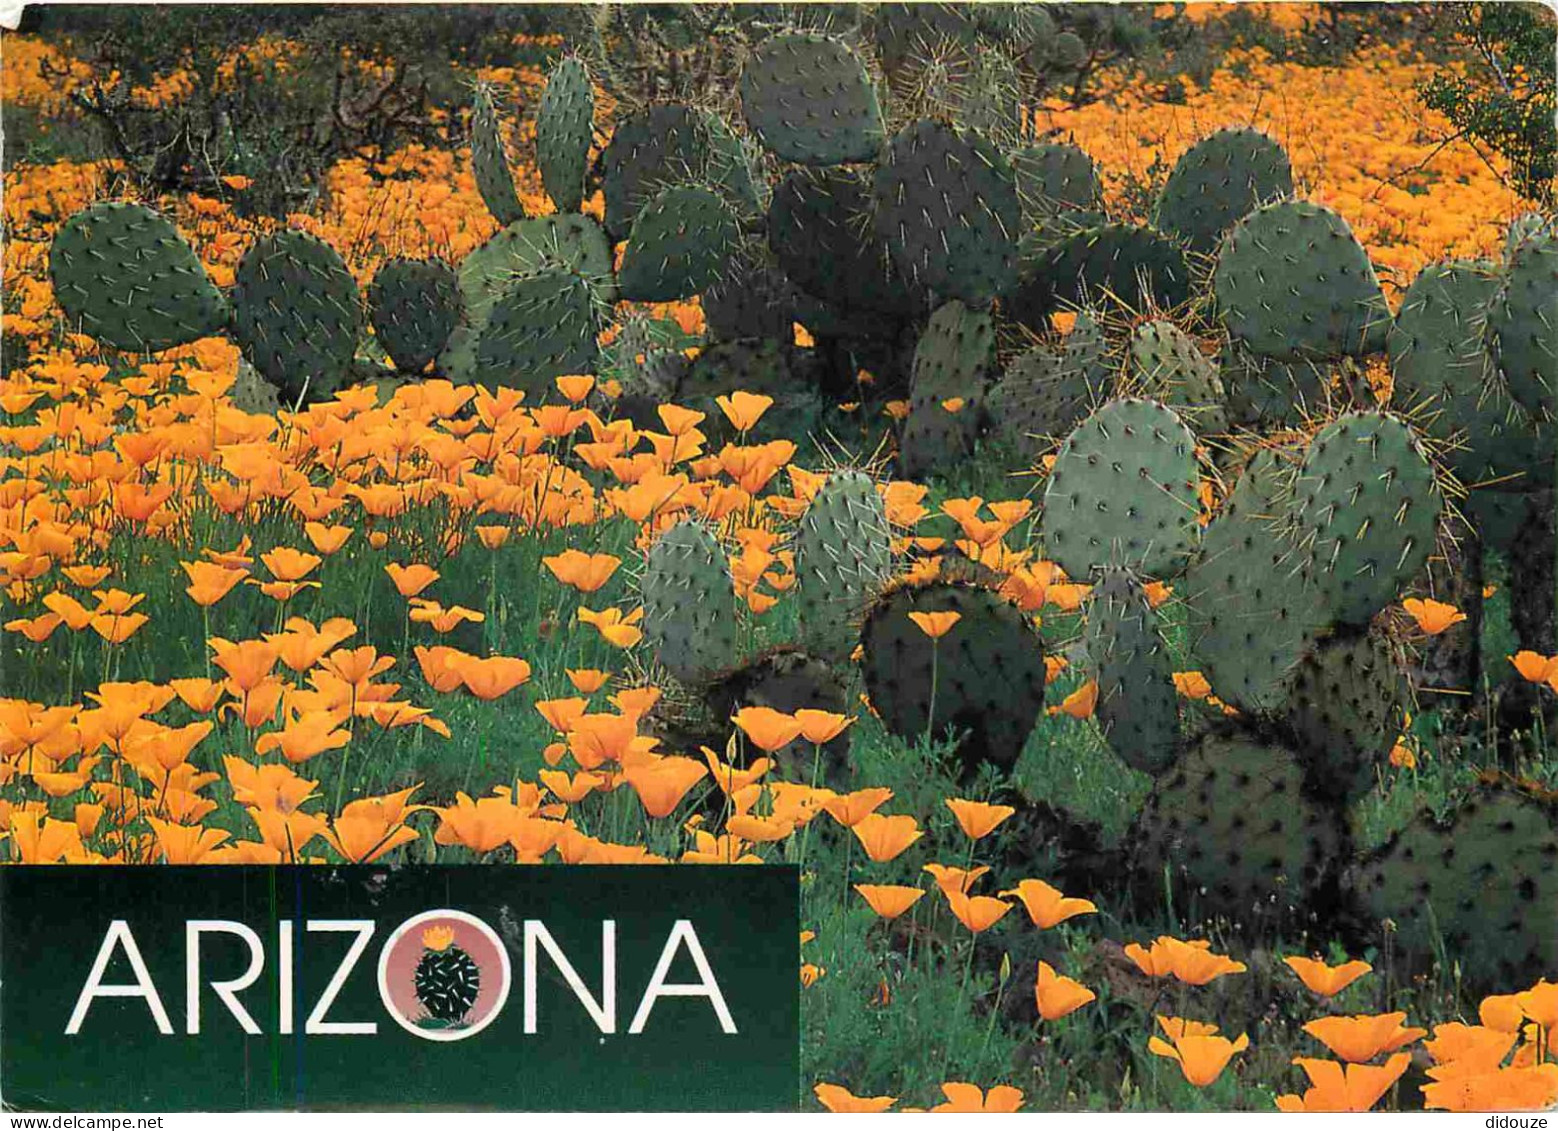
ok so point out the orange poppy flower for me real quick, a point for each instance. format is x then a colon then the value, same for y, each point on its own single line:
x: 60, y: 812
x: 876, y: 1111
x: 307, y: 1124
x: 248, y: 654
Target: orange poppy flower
x: 768, y: 729
x: 572, y: 789
x: 889, y: 900
x: 184, y: 844
x: 440, y: 619
x: 1191, y: 962
x: 246, y: 663
x: 1057, y: 996
x: 116, y: 628
x: 663, y: 782
x: 575, y: 387
x: 37, y: 629
x: 412, y: 579
x: 493, y: 677
x: 305, y: 735
x: 936, y: 625
x: 821, y: 727
x: 1324, y: 980
x: 361, y: 838
x: 326, y: 539
x: 581, y: 571
x: 1532, y: 666
x: 978, y: 819
x: 562, y: 714
x: 743, y: 409
x: 587, y: 681
x: 210, y: 583
x: 1201, y: 1054
x: 977, y: 912
x: 493, y: 537
x: 950, y: 879
x: 1363, y: 1037
x: 1046, y: 906
x: 636, y: 702
x: 969, y: 1098
x: 480, y: 826
x: 287, y: 564
x: 840, y: 1100
x: 886, y: 837
x: 728, y: 777
x: 1540, y: 1004
x: 760, y: 829
x: 849, y: 809
x: 596, y: 739
x: 1353, y: 1087
x: 614, y: 628
x: 1433, y: 617
x: 1192, y: 685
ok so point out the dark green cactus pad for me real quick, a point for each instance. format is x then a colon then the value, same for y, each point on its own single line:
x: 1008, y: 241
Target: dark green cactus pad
x: 1273, y: 394
x: 544, y: 326
x: 752, y: 299
x: 1480, y: 886
x: 1251, y: 615
x: 1293, y: 282
x: 1117, y: 265
x: 843, y: 558
x: 734, y: 168
x: 1138, y: 706
x: 1123, y: 492
x: 789, y: 679
x: 650, y: 151
x: 679, y: 245
x: 414, y: 305
x: 1344, y: 711
x: 1367, y: 508
x: 945, y: 204
x: 1531, y: 225
x: 572, y: 243
x: 494, y: 178
x: 1218, y: 181
x: 1170, y: 368
x: 689, y: 602
x: 989, y: 670
x: 1523, y: 324
x: 809, y: 99
x: 297, y: 314
x: 565, y: 127
x: 1232, y: 831
x: 1054, y: 179
x: 126, y: 276
x: 908, y: 34
x: 951, y: 361
x: 820, y: 232
x: 1046, y: 393
x: 648, y: 368
x: 1446, y: 382
x: 752, y: 365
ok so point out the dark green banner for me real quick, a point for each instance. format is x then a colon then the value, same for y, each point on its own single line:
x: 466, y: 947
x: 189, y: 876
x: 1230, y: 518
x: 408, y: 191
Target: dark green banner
x: 480, y: 987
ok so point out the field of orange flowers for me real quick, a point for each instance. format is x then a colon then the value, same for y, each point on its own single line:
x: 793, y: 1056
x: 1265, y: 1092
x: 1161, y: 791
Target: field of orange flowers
x: 403, y: 625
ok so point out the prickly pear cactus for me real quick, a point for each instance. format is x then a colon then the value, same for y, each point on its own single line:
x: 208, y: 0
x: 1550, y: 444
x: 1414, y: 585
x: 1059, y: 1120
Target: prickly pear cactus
x: 1344, y: 711
x: 678, y: 246
x: 1054, y: 179
x: 1482, y: 884
x: 297, y: 314
x: 414, y: 305
x: 751, y: 299
x: 752, y: 365
x: 545, y: 326
x: 789, y: 679
x: 126, y: 276
x: 1138, y: 706
x: 650, y: 151
x: 1523, y: 322
x: 1123, y: 492
x: 1367, y: 507
x: 946, y: 207
x: 951, y: 366
x: 843, y: 557
x: 1292, y: 282
x: 1231, y: 829
x: 565, y: 127
x: 809, y: 99
x: 989, y: 670
x: 1171, y: 368
x: 1219, y: 180
x: 1113, y: 264
x: 494, y: 178
x: 1250, y: 613
x: 689, y: 602
x: 1045, y: 392
x: 1273, y: 394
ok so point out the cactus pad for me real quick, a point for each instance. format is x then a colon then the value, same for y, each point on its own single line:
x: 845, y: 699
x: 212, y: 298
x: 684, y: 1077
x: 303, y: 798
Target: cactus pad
x: 544, y: 326
x: 650, y: 151
x: 1218, y: 181
x: 1523, y: 322
x: 679, y: 244
x: 951, y: 362
x: 1118, y: 264
x: 1137, y: 707
x: 565, y: 126
x: 414, y: 305
x: 843, y: 557
x: 494, y: 178
x: 1171, y: 368
x: 690, y: 602
x: 808, y: 99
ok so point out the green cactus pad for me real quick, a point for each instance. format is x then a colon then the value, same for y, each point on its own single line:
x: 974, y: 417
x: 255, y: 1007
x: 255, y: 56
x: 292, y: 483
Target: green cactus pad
x: 752, y: 299
x: 1367, y: 508
x: 1138, y: 706
x: 989, y: 670
x: 820, y: 232
x: 1123, y: 492
x: 1344, y: 711
x: 576, y: 244
x: 1234, y: 834
x: 751, y: 365
x: 1171, y: 368
x: 1273, y: 394
x: 126, y: 276
x: 1121, y: 265
x: 1251, y: 615
x: 946, y: 206
x: 843, y: 557
x: 679, y: 245
x: 414, y: 305
x: 951, y: 361
x: 690, y: 602
x: 297, y: 314
x: 734, y: 168
x: 565, y: 127
x: 494, y: 178
x: 1481, y: 885
x: 1292, y: 282
x: 808, y: 99
x: 789, y: 679
x: 1055, y: 179
x: 650, y: 151
x: 1523, y: 324
x: 1218, y: 181
x: 544, y: 326
x: 1045, y: 393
